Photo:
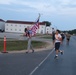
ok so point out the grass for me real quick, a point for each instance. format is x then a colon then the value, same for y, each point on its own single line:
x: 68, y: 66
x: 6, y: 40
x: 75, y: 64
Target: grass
x: 47, y: 37
x: 13, y: 44
x: 20, y: 45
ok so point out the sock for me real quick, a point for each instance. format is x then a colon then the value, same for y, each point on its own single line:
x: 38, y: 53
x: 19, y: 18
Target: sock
x: 61, y: 51
x: 56, y: 55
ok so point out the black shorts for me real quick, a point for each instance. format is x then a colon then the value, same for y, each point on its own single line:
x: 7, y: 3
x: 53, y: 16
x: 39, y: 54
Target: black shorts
x: 57, y: 46
x: 68, y: 39
x: 53, y: 38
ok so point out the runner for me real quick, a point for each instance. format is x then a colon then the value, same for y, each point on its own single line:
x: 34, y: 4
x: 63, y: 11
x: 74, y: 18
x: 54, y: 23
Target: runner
x: 68, y: 38
x: 58, y: 39
x: 63, y: 36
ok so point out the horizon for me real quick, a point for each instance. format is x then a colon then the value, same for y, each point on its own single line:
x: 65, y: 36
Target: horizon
x: 40, y: 21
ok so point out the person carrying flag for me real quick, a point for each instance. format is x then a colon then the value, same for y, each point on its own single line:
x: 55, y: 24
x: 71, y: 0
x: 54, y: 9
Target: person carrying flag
x: 29, y: 32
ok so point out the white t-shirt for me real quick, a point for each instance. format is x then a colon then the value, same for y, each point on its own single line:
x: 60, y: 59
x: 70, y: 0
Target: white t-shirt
x: 56, y: 38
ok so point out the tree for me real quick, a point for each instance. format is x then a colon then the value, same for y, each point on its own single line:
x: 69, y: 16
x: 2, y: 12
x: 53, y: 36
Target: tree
x: 71, y: 31
x: 47, y: 23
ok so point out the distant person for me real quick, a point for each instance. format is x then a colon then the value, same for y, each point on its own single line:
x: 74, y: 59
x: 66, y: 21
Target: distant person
x: 63, y: 36
x: 68, y: 38
x: 53, y: 35
x: 28, y: 34
x: 58, y: 39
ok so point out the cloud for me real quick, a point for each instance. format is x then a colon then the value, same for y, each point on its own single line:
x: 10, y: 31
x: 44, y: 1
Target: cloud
x: 65, y: 2
x: 6, y: 2
x: 42, y: 6
x: 29, y: 6
x: 68, y: 11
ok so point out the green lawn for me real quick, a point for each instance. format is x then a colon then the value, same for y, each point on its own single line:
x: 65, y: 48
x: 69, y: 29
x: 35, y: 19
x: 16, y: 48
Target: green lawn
x: 47, y: 37
x: 13, y: 44
x: 20, y: 45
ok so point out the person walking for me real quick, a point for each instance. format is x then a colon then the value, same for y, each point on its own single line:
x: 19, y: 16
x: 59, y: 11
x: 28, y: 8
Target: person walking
x: 53, y: 35
x: 58, y: 39
x: 28, y: 34
x: 63, y: 36
x: 68, y: 38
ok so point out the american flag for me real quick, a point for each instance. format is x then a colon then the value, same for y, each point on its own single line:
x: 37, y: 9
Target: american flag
x: 35, y: 26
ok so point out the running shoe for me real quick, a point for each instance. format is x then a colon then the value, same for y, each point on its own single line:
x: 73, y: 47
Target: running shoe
x: 56, y: 57
x: 62, y: 53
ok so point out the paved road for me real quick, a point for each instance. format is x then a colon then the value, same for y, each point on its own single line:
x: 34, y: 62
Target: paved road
x: 24, y: 64
x: 65, y: 65
x: 20, y: 63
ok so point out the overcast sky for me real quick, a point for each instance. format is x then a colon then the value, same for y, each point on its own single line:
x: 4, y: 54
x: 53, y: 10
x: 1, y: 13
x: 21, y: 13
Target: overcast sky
x: 61, y: 13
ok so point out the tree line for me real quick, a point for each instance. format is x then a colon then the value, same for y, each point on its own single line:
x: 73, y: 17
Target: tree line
x: 71, y: 31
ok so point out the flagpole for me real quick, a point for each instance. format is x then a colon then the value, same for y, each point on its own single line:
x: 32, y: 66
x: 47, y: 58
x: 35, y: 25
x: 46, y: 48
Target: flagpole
x: 35, y: 27
x: 36, y: 19
x: 39, y: 15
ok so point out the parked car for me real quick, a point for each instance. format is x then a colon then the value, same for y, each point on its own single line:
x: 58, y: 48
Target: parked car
x: 1, y: 30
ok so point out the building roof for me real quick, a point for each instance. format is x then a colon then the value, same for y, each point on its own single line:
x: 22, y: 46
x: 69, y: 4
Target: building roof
x: 23, y: 22
x: 2, y: 20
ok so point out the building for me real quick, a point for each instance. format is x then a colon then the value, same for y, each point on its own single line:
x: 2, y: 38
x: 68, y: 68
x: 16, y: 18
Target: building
x: 19, y: 26
x: 2, y: 25
x: 48, y: 30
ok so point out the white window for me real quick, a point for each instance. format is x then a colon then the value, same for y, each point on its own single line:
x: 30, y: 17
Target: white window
x: 15, y: 25
x: 47, y: 29
x: 19, y: 29
x: 42, y: 26
x: 15, y: 29
x: 20, y: 25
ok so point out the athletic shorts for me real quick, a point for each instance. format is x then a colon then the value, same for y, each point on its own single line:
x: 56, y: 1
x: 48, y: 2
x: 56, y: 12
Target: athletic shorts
x: 68, y: 39
x: 57, y: 45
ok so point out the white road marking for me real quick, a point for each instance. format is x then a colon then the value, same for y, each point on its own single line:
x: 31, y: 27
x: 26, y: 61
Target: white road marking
x: 41, y: 62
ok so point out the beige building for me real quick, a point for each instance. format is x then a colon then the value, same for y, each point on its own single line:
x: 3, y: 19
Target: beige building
x: 19, y: 26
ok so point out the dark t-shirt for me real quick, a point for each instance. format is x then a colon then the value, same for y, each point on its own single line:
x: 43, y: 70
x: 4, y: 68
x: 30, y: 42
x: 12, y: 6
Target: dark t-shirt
x: 53, y: 35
